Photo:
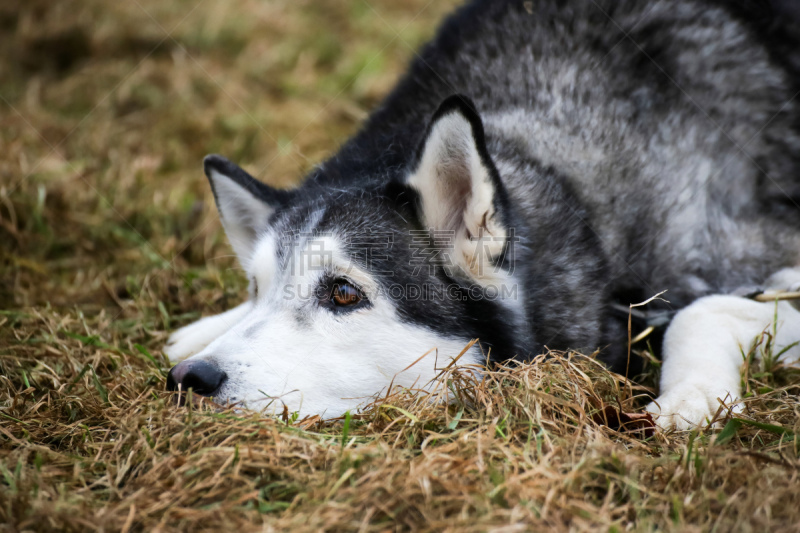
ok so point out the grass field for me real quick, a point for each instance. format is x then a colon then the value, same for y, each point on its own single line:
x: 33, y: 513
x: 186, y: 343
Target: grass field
x: 109, y: 240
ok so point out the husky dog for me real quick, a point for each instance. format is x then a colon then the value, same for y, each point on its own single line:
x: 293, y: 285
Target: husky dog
x: 541, y: 164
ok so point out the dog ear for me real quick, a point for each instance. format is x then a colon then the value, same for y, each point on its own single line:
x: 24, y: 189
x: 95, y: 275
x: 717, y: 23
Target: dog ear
x: 244, y: 203
x: 461, y: 195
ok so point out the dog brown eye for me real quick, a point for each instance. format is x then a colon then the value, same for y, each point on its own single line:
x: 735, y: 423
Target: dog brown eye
x: 345, y: 294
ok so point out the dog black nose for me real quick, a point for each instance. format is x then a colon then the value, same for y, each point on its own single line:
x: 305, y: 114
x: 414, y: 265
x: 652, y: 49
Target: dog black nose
x: 202, y: 377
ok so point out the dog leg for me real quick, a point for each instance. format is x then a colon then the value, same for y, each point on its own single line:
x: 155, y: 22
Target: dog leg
x: 787, y: 279
x: 191, y: 339
x: 703, y: 354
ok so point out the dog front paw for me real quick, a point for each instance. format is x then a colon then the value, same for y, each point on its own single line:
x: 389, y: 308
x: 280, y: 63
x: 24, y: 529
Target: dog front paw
x: 194, y: 338
x: 187, y: 341
x: 686, y: 407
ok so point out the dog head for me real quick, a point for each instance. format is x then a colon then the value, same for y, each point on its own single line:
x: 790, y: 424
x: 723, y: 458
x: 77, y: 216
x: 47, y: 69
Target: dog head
x: 355, y: 287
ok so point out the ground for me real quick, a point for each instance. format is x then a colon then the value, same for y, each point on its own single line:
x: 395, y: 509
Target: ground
x: 109, y: 241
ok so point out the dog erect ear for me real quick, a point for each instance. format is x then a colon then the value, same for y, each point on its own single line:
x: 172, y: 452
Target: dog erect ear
x: 244, y: 203
x: 459, y: 187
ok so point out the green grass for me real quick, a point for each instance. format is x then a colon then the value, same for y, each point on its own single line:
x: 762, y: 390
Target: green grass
x: 109, y: 239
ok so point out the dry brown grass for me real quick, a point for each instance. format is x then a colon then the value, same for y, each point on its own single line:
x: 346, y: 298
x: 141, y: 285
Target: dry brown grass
x: 109, y: 240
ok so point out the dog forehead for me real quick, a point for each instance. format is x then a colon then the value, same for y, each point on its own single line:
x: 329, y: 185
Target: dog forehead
x: 294, y: 253
x: 357, y: 219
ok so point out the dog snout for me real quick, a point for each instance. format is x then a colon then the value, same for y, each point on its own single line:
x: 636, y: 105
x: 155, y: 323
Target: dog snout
x: 202, y: 377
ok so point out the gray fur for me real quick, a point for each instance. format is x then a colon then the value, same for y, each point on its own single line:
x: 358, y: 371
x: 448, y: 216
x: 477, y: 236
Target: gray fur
x: 673, y: 122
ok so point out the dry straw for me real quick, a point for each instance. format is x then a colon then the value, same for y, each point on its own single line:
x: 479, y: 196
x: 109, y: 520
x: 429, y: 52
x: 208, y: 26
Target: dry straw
x: 97, y: 445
